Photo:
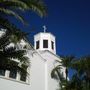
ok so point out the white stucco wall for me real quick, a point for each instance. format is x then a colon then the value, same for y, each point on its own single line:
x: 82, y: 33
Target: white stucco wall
x: 37, y: 80
x: 51, y: 63
x: 37, y: 77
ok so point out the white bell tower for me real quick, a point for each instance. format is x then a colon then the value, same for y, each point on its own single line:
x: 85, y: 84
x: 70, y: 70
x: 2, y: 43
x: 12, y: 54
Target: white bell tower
x: 45, y: 41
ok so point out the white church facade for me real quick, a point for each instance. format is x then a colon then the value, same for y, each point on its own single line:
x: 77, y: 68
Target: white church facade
x: 42, y: 60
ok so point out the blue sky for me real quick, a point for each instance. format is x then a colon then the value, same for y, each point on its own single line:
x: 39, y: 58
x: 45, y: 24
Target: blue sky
x: 69, y: 21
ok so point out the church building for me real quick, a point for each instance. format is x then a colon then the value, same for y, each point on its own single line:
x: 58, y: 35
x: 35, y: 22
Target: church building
x: 43, y: 59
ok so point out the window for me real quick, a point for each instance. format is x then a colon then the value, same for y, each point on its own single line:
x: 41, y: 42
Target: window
x: 13, y: 74
x: 45, y: 43
x: 52, y: 44
x: 23, y: 76
x: 2, y: 72
x: 37, y: 44
x: 23, y: 73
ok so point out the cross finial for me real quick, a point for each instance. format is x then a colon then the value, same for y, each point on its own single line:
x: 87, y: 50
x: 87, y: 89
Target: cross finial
x: 45, y: 28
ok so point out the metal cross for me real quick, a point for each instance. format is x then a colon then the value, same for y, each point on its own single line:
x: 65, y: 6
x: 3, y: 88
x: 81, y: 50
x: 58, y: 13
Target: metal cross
x: 45, y: 28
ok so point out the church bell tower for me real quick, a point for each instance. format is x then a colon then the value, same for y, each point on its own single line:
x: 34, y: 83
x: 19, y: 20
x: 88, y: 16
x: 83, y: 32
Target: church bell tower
x: 45, y: 41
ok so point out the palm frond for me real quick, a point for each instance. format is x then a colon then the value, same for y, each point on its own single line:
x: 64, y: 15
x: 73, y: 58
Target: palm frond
x: 17, y: 4
x: 4, y: 41
x: 12, y: 13
x: 37, y: 6
x: 16, y: 54
x: 67, y: 60
x: 13, y: 32
x: 55, y: 73
x: 13, y: 65
x: 10, y: 59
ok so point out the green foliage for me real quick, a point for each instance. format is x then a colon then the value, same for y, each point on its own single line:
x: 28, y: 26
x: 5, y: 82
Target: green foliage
x: 81, y: 77
x: 14, y: 8
x: 8, y: 55
x: 10, y: 7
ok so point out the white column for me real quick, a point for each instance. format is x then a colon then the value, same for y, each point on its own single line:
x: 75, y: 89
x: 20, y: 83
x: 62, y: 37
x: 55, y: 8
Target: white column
x: 28, y: 76
x: 18, y: 76
x: 7, y: 73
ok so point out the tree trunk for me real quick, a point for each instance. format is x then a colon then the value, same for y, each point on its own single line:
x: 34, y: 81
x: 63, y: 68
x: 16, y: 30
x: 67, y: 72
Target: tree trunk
x: 59, y: 78
x: 66, y: 71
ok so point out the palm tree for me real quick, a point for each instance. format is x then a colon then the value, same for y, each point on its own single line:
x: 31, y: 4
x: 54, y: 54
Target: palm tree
x: 86, y: 60
x: 80, y: 79
x: 66, y: 62
x: 10, y: 57
x: 56, y: 72
x: 13, y: 34
x: 82, y: 67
